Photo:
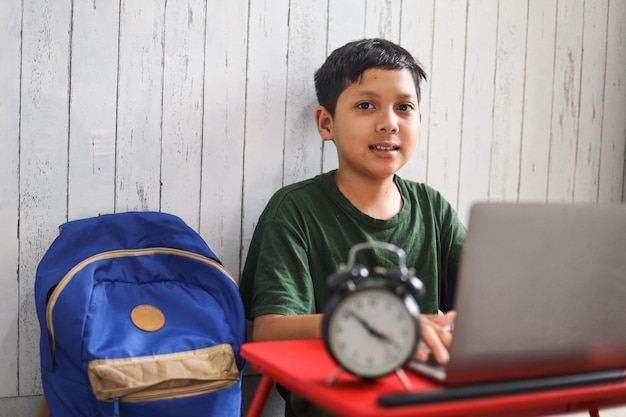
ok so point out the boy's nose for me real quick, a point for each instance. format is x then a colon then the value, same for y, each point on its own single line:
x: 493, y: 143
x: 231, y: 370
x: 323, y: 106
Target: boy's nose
x: 387, y: 123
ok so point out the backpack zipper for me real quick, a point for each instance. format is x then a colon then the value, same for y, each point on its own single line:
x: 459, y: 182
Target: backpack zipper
x: 116, y: 407
x: 169, y: 394
x: 118, y: 254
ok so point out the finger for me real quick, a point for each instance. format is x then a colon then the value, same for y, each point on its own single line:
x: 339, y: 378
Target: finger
x: 422, y: 352
x: 439, y: 324
x: 436, y: 339
x: 443, y: 320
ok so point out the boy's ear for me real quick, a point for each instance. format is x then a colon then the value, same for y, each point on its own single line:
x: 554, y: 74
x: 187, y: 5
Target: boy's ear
x: 324, y: 122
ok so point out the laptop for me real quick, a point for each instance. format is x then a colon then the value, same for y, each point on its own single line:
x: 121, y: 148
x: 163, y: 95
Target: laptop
x: 541, y: 292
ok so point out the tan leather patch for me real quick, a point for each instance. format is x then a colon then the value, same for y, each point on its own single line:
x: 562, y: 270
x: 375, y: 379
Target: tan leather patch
x: 147, y: 317
x: 164, y: 376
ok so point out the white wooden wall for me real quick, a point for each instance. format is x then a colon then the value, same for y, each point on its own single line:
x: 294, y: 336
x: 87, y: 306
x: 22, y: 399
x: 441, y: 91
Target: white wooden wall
x: 205, y: 108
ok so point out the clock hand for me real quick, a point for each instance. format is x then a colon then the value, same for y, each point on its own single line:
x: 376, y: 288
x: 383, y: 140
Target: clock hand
x: 377, y: 334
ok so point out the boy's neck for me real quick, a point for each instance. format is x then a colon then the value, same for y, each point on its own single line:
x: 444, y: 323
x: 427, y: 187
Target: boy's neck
x: 379, y: 199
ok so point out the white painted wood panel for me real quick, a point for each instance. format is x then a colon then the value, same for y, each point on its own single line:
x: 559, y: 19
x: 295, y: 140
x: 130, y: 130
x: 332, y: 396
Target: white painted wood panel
x: 43, y: 161
x: 478, y: 105
x: 446, y: 98
x: 565, y: 101
x: 537, y: 106
x: 382, y: 20
x: 224, y: 130
x: 139, y: 104
x: 508, y: 101
x: 182, y: 109
x: 10, y: 28
x: 93, y: 91
x: 587, y: 171
x: 306, y: 52
x: 612, y: 156
x: 265, y: 108
x: 346, y: 22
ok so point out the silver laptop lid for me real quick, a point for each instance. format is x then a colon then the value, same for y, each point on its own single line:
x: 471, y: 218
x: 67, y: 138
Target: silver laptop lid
x: 542, y: 290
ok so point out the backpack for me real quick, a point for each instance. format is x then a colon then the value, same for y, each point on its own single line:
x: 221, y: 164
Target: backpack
x: 138, y: 318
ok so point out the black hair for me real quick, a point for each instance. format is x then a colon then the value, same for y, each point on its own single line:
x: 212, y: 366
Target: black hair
x: 347, y: 64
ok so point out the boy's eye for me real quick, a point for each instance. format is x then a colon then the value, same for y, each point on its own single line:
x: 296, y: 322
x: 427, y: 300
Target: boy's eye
x: 405, y: 107
x: 365, y: 105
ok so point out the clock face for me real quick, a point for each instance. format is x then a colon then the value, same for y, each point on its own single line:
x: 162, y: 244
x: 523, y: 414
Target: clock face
x: 372, y: 331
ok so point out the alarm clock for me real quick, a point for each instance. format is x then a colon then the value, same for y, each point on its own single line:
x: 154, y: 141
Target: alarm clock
x: 371, y: 321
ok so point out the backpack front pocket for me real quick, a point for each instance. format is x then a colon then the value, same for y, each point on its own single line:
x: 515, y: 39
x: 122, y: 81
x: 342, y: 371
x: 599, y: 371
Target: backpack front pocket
x: 164, y: 376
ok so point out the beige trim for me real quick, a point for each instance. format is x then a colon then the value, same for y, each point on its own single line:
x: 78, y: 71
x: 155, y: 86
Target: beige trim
x: 43, y: 410
x: 164, y: 376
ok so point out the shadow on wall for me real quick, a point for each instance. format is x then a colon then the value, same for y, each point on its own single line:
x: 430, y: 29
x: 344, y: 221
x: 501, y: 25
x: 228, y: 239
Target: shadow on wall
x: 275, y: 405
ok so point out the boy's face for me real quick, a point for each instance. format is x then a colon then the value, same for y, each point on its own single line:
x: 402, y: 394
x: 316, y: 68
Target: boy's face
x: 376, y: 123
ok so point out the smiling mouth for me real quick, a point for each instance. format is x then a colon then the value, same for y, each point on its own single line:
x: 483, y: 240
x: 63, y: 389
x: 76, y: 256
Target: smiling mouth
x: 384, y: 147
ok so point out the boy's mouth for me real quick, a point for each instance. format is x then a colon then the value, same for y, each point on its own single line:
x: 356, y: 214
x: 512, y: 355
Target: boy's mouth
x: 384, y: 147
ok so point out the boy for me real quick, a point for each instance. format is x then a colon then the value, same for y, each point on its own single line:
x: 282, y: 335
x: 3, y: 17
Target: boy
x: 368, y: 93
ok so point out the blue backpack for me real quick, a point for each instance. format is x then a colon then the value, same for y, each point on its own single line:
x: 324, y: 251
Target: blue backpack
x: 138, y: 318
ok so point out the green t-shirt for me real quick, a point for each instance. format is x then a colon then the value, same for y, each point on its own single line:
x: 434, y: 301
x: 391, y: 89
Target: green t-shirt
x: 306, y: 232
x: 307, y: 229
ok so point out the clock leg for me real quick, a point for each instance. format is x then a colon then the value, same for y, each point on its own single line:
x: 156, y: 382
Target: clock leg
x: 334, y: 376
x: 403, y: 378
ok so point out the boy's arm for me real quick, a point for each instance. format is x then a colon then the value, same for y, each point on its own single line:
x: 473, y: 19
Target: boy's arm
x: 435, y: 337
x: 277, y: 327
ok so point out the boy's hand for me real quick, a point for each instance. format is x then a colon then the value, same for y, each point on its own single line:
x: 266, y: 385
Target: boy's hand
x: 436, y: 337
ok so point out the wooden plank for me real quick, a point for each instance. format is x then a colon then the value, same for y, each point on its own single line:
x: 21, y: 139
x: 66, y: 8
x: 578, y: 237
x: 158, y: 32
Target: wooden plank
x: 346, y: 23
x: 478, y: 103
x: 43, y: 160
x: 265, y: 108
x: 223, y: 134
x: 382, y: 19
x: 307, y: 50
x: 508, y: 101
x: 591, y: 99
x: 537, y: 121
x: 446, y: 98
x: 613, y: 150
x: 10, y: 33
x: 182, y: 109
x: 140, y: 90
x: 416, y: 36
x: 91, y: 180
x: 565, y: 101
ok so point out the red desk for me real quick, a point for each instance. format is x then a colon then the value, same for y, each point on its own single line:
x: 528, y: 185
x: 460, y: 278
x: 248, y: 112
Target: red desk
x: 304, y: 367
